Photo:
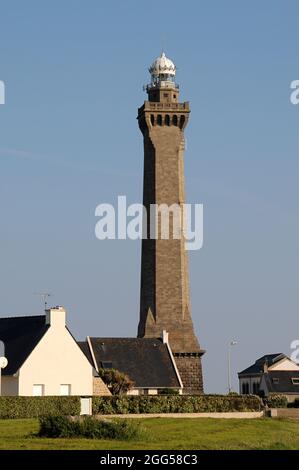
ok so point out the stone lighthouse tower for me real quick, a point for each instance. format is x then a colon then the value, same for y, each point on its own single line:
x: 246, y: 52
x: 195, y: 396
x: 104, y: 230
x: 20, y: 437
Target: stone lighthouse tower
x: 165, y: 301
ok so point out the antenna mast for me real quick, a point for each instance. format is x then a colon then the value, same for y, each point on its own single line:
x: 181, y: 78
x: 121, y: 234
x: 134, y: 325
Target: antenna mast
x: 44, y: 297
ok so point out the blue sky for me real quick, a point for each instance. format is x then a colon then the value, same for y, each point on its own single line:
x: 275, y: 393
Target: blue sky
x: 74, y: 72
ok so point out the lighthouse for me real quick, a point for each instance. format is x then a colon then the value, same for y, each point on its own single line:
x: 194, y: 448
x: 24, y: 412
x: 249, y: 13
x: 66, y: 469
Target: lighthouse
x: 164, y: 293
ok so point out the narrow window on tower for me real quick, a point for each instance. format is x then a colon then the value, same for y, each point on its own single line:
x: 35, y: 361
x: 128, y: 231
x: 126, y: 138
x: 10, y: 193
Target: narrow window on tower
x: 182, y: 121
x: 167, y: 120
x: 152, y: 120
x: 175, y: 120
x: 159, y: 120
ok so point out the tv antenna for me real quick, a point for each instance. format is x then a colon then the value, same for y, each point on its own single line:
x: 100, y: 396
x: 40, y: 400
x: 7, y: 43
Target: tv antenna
x: 44, y: 297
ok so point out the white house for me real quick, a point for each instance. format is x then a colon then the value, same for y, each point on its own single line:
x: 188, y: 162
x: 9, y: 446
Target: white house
x: 272, y: 373
x: 44, y: 358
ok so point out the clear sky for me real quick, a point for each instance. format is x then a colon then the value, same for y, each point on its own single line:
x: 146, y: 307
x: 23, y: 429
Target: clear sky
x: 69, y: 140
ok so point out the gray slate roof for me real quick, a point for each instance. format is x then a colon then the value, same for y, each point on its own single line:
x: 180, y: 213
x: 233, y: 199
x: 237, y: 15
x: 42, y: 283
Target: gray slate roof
x: 258, y: 366
x: 20, y: 336
x: 145, y: 360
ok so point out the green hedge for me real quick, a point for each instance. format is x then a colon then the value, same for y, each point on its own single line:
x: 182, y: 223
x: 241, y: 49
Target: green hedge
x: 33, y: 407
x: 175, y: 404
x: 275, y: 400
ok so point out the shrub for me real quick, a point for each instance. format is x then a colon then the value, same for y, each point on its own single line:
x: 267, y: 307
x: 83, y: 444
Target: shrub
x: 175, y: 404
x: 117, y: 382
x: 275, y: 400
x: 34, y: 407
x: 294, y: 404
x: 88, y: 427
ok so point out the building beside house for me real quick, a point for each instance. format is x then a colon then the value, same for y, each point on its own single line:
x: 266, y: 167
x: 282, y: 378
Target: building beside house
x: 148, y: 362
x: 44, y: 358
x: 272, y: 373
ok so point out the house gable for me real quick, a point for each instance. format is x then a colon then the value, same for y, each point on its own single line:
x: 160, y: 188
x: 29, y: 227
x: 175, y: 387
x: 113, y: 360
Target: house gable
x: 284, y: 364
x: 55, y: 361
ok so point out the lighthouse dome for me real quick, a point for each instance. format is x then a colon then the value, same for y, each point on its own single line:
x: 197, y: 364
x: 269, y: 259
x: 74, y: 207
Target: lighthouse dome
x: 162, y: 65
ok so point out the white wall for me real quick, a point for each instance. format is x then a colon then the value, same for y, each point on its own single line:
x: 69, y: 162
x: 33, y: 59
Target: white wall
x: 284, y: 364
x: 56, y: 360
x: 133, y: 391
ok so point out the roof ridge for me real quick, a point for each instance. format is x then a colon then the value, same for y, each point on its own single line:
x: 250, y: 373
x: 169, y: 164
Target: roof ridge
x: 22, y: 316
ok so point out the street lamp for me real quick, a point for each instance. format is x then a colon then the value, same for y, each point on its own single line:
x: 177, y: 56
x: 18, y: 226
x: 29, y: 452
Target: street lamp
x: 3, y: 364
x: 230, y: 344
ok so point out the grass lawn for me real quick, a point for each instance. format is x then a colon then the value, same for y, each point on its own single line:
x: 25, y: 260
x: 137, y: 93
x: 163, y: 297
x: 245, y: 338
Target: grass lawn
x: 168, y: 434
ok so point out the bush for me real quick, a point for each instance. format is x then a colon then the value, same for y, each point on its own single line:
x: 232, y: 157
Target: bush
x: 117, y: 382
x: 275, y: 400
x: 34, y: 407
x: 296, y: 403
x: 88, y: 427
x: 174, y: 404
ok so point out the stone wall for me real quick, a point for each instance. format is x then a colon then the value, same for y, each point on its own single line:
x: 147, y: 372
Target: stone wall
x: 190, y: 370
x: 99, y: 388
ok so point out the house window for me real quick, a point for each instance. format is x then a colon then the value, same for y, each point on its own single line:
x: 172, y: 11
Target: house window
x: 295, y: 381
x: 38, y: 390
x: 106, y: 365
x: 255, y: 388
x: 65, y: 389
x: 275, y: 380
x: 245, y: 388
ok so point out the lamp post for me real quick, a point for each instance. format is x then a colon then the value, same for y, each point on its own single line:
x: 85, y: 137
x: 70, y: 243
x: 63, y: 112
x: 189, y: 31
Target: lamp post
x: 230, y: 344
x: 3, y: 364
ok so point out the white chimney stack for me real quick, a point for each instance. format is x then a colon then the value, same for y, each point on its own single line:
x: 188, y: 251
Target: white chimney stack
x: 56, y: 317
x: 165, y: 337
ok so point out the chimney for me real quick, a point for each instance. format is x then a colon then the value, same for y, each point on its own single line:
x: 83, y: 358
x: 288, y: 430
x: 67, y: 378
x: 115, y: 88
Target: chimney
x: 265, y: 367
x: 165, y: 337
x: 56, y: 317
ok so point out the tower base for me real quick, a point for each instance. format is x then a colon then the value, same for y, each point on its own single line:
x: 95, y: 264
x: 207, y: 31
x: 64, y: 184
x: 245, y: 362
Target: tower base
x: 190, y: 370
